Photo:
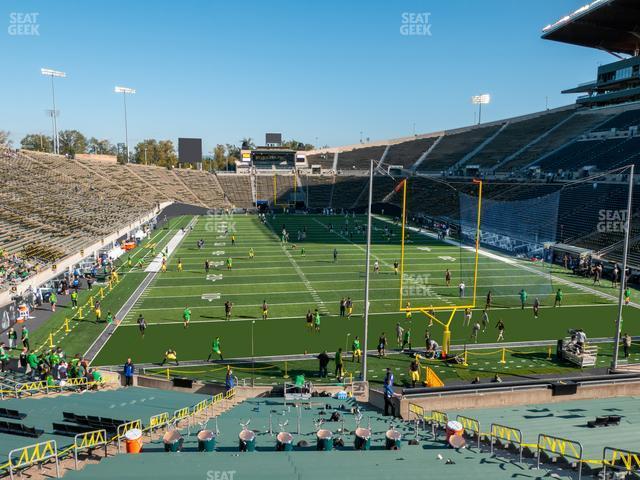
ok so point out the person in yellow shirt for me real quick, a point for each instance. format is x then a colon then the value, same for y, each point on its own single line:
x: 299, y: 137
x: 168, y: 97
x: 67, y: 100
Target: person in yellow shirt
x: 179, y: 264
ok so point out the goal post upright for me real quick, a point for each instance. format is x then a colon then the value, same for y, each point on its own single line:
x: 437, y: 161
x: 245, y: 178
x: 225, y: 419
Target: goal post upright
x: 452, y: 309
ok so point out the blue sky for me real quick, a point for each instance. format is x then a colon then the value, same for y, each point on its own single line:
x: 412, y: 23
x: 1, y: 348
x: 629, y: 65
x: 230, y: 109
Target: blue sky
x: 325, y: 70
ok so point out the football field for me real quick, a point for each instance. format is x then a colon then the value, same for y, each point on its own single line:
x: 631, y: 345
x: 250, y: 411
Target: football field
x: 301, y: 275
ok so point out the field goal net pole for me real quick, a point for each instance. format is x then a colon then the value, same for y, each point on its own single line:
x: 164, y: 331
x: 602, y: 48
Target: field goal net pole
x: 623, y: 274
x: 430, y: 312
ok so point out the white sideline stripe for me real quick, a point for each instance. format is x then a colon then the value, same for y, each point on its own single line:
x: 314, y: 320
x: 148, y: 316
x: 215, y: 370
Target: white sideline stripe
x: 156, y: 264
x: 106, y: 340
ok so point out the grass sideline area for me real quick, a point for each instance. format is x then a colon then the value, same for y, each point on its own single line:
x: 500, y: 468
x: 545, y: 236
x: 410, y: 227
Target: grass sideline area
x: 292, y: 283
x: 83, y: 332
x: 521, y: 363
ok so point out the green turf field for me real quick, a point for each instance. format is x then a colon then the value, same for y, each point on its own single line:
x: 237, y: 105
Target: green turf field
x: 291, y: 283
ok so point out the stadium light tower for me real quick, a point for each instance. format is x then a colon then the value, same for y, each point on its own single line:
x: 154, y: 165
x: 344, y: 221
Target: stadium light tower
x: 47, y: 72
x: 480, y: 100
x: 124, y: 91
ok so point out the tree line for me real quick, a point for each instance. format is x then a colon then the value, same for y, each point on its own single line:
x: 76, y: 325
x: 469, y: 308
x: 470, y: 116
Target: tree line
x: 147, y: 152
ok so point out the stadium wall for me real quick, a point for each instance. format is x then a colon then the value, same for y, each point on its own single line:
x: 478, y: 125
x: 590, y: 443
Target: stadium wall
x: 66, y: 263
x: 504, y: 396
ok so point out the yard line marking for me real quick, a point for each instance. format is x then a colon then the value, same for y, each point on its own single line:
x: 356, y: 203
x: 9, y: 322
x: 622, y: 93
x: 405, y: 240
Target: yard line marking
x: 314, y: 294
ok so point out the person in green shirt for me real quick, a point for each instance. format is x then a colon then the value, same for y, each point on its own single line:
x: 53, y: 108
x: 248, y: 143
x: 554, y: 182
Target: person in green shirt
x: 25, y: 337
x: 74, y: 299
x: 558, y: 300
x: 129, y: 263
x: 339, y: 365
x: 523, y: 298
x: 32, y: 361
x: 229, y: 263
x: 627, y: 296
x: 53, y: 299
x: 109, y: 317
x: 186, y: 316
x: 215, y: 348
x: 316, y: 320
x: 406, y: 339
x: 355, y: 348
x: 4, y: 358
x: 49, y: 379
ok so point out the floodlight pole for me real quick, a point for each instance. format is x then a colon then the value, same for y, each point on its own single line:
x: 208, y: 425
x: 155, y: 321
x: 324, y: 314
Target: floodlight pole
x: 366, y: 276
x: 623, y: 276
x: 126, y: 128
x: 124, y: 91
x: 56, y: 147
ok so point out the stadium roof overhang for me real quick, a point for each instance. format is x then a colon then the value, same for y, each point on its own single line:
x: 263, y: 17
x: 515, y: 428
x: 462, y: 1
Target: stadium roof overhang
x: 609, y: 25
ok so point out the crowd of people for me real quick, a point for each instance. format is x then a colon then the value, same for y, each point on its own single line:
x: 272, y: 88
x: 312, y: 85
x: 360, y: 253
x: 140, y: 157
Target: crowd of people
x: 14, y: 269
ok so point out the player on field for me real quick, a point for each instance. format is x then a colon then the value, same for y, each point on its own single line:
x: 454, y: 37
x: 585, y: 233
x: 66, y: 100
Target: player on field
x: 558, y: 300
x: 395, y: 267
x: 627, y: 296
x: 382, y: 345
x: 316, y: 320
x: 485, y: 320
x: 164, y: 265
x: 186, y: 316
x: 356, y: 351
x: 489, y: 300
x: 207, y: 266
x: 414, y: 372
x: 142, y: 325
x: 399, y: 333
x: 215, y: 349
x: 467, y: 317
x: 233, y: 239
x: 335, y: 255
x: 309, y: 319
x: 474, y: 332
x: 406, y: 339
x: 349, y: 306
x: 227, y: 309
x: 265, y: 310
x: 461, y: 288
x: 343, y: 306
x: 523, y: 298
x: 407, y: 314
x: 229, y: 263
x: 179, y: 264
x: 251, y: 253
x: 170, y: 356
x: 536, y: 307
x: 447, y: 277
x: 500, y: 327
x: 376, y: 267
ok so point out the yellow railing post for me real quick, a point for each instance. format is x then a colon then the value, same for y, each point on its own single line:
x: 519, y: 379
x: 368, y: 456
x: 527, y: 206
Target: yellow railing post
x: 466, y: 356
x: 80, y: 317
x: 549, y: 354
x: 168, y: 376
x: 66, y: 325
x: 101, y: 292
x: 286, y: 375
x: 91, y: 301
x: 504, y: 355
x: 51, y: 340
